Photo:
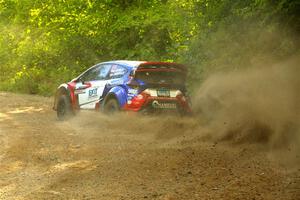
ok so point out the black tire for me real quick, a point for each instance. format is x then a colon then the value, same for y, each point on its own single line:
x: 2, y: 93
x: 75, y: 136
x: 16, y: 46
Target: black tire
x: 64, y: 110
x: 111, y: 106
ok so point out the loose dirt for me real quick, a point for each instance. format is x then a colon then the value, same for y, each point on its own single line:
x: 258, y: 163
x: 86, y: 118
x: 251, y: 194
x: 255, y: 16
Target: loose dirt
x: 93, y: 156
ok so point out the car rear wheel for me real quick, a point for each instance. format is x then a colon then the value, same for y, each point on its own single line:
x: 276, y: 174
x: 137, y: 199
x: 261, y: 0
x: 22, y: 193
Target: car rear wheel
x: 64, y: 110
x: 111, y: 106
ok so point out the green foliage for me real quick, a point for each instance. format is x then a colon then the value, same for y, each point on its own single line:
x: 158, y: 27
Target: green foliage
x: 44, y: 43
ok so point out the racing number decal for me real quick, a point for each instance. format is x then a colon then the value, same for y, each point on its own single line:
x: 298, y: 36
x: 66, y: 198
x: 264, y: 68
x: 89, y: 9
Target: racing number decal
x: 93, y: 92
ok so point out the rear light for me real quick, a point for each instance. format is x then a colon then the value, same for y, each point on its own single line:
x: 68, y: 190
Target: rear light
x: 181, y: 98
x: 143, y: 95
x: 179, y: 95
x: 140, y: 99
x: 146, y: 92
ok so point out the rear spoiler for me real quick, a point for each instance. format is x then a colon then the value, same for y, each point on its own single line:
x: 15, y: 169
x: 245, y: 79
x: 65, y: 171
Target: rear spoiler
x: 161, y: 66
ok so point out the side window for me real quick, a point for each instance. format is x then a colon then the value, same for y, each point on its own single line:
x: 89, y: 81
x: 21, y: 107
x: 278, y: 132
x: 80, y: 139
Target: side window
x: 117, y: 71
x: 103, y: 72
x: 97, y: 73
x: 89, y: 75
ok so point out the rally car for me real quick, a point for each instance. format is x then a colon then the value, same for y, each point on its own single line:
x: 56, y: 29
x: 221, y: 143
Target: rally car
x: 137, y: 86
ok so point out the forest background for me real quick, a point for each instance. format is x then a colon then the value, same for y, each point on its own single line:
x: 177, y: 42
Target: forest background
x: 44, y: 43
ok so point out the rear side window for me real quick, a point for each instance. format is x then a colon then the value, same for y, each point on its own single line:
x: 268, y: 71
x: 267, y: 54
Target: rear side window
x: 117, y: 71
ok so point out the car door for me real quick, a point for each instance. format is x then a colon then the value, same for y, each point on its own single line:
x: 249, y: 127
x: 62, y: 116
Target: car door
x: 91, y: 85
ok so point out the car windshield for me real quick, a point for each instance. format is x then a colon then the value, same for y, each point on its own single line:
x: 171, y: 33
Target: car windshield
x: 161, y: 77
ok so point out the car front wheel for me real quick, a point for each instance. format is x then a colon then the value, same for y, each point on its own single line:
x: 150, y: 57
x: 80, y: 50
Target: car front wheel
x: 64, y: 110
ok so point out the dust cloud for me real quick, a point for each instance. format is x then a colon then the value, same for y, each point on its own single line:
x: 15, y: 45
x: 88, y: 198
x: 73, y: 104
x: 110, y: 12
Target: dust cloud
x: 257, y: 105
x: 160, y: 127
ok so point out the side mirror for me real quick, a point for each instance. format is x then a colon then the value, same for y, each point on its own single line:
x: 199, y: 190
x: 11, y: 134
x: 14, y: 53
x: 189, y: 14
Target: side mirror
x: 80, y: 80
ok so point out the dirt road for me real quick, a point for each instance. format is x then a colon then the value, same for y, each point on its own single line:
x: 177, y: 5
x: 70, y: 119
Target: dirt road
x: 128, y: 157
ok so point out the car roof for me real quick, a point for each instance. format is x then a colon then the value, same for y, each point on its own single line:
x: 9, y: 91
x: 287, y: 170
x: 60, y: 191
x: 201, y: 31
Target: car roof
x: 135, y: 64
x: 129, y: 63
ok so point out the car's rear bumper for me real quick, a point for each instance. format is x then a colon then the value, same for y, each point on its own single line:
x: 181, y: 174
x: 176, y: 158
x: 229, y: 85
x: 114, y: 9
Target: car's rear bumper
x: 160, y: 104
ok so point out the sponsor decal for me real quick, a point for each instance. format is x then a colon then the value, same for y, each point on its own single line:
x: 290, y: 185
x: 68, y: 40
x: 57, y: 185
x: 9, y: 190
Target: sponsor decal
x: 93, y: 92
x: 156, y: 104
x: 116, y: 82
x: 79, y: 91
